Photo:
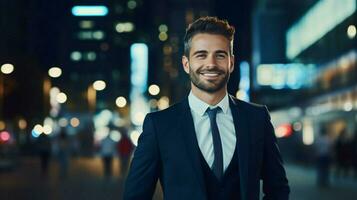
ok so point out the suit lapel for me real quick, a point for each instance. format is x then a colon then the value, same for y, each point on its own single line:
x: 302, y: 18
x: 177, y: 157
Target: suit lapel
x: 243, y: 140
x: 187, y: 130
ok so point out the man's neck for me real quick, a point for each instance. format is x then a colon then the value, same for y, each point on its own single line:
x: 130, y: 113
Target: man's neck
x: 209, y: 98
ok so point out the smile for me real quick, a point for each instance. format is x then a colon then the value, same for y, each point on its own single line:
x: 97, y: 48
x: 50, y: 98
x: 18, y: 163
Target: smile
x: 210, y: 74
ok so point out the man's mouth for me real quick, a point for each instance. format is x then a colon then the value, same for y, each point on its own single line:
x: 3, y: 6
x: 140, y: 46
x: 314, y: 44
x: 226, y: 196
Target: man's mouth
x: 210, y: 74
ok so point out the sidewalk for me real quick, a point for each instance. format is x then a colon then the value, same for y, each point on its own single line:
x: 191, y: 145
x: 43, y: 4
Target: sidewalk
x: 302, y: 181
x: 85, y: 181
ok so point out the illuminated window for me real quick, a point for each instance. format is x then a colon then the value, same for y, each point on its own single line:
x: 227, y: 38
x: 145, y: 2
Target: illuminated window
x: 91, y: 35
x: 311, y: 27
x: 86, y: 24
x: 89, y: 11
x: 76, y: 56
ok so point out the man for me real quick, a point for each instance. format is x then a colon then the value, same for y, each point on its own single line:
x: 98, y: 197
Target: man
x: 210, y: 145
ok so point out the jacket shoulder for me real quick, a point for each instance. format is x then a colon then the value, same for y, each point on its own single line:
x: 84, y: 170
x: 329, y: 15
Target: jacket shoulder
x: 249, y: 106
x: 169, y: 112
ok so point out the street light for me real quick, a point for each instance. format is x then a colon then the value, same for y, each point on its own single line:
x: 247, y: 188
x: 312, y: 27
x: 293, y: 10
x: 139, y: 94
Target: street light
x: 154, y: 89
x: 55, y: 72
x: 121, y: 102
x: 61, y: 97
x: 7, y: 68
x: 99, y: 85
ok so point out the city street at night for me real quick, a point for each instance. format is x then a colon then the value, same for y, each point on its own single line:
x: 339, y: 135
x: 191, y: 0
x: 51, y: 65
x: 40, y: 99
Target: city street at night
x: 209, y: 97
x: 85, y: 181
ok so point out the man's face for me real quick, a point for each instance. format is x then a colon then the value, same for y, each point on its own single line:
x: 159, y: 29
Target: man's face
x: 210, y: 62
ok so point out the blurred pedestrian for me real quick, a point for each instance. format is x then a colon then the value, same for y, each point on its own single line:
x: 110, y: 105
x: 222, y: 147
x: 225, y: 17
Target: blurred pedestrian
x: 343, y: 154
x: 354, y: 153
x: 63, y: 153
x: 125, y: 148
x: 44, y: 150
x: 107, y: 151
x: 323, y: 147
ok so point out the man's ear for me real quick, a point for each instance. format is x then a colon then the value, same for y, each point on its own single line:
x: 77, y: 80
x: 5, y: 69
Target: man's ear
x: 231, y: 67
x: 185, y: 64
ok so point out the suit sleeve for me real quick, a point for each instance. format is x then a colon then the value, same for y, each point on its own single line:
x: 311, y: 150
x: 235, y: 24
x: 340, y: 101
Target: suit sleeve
x: 275, y: 183
x: 144, y: 168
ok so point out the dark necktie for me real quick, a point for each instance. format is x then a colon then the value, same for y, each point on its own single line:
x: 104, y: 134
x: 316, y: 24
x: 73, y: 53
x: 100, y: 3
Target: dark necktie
x: 217, y: 145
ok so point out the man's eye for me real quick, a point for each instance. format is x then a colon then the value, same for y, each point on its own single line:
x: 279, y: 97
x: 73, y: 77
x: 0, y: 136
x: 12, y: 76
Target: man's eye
x: 221, y: 56
x: 200, y: 56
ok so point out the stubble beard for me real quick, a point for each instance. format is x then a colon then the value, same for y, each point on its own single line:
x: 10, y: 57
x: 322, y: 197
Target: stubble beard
x: 206, y: 85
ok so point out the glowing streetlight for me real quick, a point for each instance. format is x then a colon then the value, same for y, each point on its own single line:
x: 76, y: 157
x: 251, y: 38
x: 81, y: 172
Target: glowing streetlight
x: 61, y: 97
x: 120, y: 102
x: 38, y: 129
x: 99, y: 85
x: 75, y: 122
x: 7, y: 68
x: 47, y: 129
x: 55, y: 72
x: 163, y: 103
x: 351, y: 31
x: 154, y: 89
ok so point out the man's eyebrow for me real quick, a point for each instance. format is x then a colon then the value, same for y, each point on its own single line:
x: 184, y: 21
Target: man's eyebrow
x: 200, y: 51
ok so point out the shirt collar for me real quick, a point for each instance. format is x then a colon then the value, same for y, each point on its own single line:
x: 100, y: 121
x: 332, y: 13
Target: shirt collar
x: 200, y: 107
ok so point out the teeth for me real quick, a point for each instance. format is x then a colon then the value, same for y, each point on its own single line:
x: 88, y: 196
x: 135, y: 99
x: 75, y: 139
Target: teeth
x: 210, y: 74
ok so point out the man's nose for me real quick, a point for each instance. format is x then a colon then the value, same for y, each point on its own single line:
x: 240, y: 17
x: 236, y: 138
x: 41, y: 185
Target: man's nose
x: 211, y: 61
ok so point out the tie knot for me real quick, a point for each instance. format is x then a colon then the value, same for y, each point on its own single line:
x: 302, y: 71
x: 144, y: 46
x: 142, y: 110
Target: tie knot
x: 212, y: 112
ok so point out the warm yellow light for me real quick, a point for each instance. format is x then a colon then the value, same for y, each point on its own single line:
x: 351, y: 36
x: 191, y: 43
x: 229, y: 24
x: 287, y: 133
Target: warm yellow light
x: 22, y: 124
x: 351, y: 31
x: 120, y: 102
x: 163, y: 103
x: 7, y: 68
x: 47, y: 129
x: 75, y: 122
x: 61, y: 97
x: 138, y: 118
x: 134, y: 136
x: 38, y: 129
x: 154, y: 89
x: 163, y: 36
x: 2, y: 125
x: 99, y: 85
x: 308, y: 132
x: 241, y: 94
x: 55, y: 72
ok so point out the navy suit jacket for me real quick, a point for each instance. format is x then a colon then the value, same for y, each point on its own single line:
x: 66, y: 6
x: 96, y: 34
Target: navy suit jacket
x: 168, y: 150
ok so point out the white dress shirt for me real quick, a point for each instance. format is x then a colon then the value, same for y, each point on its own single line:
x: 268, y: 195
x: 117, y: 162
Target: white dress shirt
x: 203, y: 128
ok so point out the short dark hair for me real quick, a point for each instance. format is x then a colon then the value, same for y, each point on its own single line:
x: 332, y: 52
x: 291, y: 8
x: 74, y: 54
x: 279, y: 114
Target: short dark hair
x: 210, y: 25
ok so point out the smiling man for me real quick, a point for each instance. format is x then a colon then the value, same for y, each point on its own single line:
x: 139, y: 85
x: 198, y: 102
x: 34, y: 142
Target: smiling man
x: 210, y: 146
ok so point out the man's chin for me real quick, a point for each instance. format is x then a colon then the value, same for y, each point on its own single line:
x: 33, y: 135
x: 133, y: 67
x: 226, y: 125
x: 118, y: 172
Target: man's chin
x: 209, y: 89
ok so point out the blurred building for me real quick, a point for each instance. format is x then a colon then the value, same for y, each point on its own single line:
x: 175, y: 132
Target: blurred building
x: 304, y: 62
